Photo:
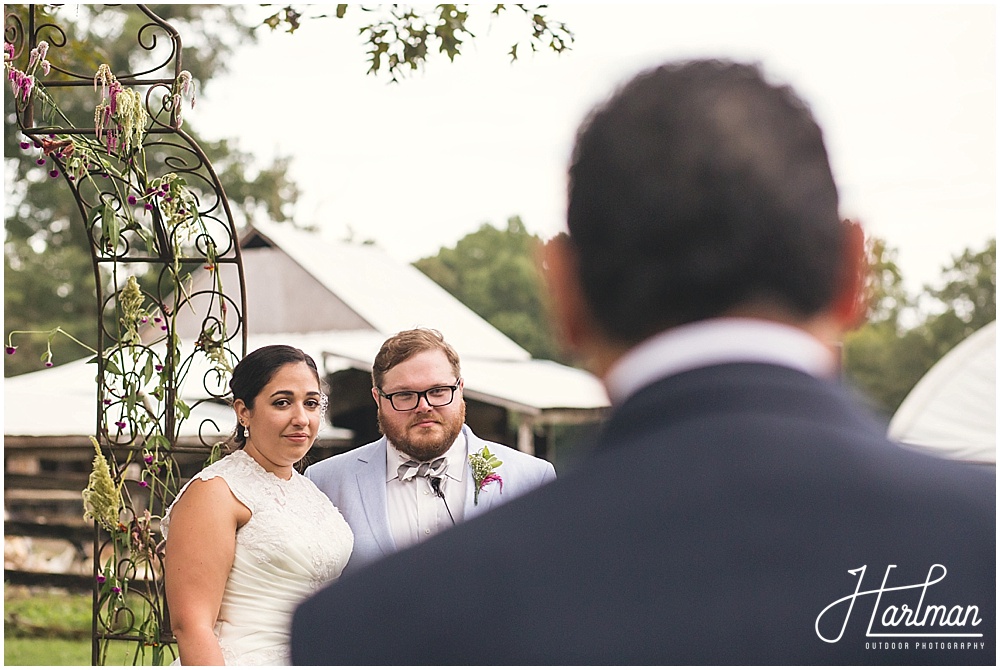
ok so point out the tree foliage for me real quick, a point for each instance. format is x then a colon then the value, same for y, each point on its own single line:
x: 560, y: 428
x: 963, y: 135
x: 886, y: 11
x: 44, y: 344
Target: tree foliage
x: 49, y: 278
x: 401, y: 37
x: 48, y: 273
x: 886, y: 357
x: 495, y: 272
x: 887, y: 296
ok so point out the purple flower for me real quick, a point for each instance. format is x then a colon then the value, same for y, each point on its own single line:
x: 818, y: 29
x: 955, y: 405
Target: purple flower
x: 148, y: 458
x: 40, y: 161
x: 121, y: 424
x: 107, y: 402
x: 157, y: 319
x: 490, y: 478
x: 132, y: 200
x: 101, y: 579
x: 10, y: 350
x: 116, y: 589
x: 49, y: 364
x: 25, y: 145
x: 158, y: 368
x: 21, y: 84
x: 144, y: 484
x: 163, y: 327
x: 38, y: 54
x: 53, y: 173
x: 148, y: 206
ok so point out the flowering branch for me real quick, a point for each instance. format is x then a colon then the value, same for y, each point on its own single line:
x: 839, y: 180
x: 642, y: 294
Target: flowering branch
x: 483, y: 465
x: 126, y: 206
x: 102, y: 500
x: 50, y: 335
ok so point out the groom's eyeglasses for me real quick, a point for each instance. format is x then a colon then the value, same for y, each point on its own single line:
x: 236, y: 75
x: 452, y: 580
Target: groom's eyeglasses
x: 439, y: 396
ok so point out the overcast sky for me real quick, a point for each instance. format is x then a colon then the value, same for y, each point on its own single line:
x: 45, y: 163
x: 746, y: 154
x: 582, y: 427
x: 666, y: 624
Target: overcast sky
x: 906, y: 94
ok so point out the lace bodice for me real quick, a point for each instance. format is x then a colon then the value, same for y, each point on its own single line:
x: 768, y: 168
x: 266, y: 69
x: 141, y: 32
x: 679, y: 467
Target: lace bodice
x: 295, y: 542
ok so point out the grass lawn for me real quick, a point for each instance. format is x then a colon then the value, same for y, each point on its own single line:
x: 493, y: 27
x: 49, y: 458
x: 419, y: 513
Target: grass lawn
x: 52, y: 627
x: 54, y: 651
x: 45, y: 651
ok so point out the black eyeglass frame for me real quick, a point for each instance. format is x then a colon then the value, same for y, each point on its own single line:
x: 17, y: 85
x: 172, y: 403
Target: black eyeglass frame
x: 391, y: 396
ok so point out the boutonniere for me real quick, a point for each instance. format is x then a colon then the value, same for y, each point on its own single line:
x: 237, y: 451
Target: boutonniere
x: 483, y: 465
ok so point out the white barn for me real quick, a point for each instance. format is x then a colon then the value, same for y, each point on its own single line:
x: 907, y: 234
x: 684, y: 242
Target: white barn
x: 337, y: 301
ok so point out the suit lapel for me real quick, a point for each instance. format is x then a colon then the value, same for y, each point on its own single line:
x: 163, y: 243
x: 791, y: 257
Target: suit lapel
x: 371, y: 488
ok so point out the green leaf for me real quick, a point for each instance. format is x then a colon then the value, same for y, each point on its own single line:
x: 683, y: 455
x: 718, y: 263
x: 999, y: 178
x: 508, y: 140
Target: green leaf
x: 147, y: 240
x: 147, y: 371
x: 112, y: 367
x: 182, y: 408
x: 110, y: 225
x: 157, y: 441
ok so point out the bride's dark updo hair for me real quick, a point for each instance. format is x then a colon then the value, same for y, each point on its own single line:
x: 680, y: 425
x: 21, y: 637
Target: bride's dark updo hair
x: 254, y: 372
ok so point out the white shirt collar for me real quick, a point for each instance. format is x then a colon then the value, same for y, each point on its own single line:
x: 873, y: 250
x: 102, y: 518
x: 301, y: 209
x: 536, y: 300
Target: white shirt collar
x: 456, y: 457
x: 714, y: 341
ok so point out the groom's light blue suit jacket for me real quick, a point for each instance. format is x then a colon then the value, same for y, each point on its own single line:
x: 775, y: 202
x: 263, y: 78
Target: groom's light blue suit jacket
x: 355, y: 482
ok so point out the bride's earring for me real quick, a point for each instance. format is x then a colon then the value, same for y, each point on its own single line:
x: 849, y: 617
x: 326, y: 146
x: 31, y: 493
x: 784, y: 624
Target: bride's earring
x: 246, y: 430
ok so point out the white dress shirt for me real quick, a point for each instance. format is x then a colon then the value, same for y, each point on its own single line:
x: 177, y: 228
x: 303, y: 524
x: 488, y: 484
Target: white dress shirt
x: 415, y: 512
x: 715, y: 341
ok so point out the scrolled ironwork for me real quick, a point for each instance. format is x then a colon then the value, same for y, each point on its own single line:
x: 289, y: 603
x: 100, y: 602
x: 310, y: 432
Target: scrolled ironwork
x: 146, y: 39
x: 160, y: 231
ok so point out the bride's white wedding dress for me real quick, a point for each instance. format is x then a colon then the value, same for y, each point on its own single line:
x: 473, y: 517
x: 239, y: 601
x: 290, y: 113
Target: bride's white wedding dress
x: 295, y: 542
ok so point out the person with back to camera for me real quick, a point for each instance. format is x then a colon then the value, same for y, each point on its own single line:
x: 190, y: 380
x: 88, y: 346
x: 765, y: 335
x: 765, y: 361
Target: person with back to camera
x: 418, y: 480
x: 248, y: 537
x: 739, y: 506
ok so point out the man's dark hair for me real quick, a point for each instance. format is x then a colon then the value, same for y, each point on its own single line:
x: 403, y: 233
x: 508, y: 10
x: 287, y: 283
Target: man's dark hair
x: 699, y: 187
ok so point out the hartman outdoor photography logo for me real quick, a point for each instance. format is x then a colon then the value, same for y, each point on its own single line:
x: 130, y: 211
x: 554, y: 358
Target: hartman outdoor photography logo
x: 904, y: 616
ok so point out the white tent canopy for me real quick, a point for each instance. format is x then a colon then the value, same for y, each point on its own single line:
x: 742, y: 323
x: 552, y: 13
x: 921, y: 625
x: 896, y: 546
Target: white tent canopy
x: 952, y: 410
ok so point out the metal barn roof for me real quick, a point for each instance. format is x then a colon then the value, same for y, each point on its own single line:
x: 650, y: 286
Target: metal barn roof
x: 337, y: 301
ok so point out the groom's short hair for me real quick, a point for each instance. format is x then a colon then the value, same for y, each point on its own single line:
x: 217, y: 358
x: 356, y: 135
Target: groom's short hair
x: 405, y: 344
x: 697, y: 188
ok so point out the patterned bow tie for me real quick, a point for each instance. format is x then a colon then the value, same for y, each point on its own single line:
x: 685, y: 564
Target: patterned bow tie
x: 412, y: 468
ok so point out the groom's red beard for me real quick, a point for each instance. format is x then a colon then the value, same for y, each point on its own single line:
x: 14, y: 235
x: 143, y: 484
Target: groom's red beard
x: 423, y: 442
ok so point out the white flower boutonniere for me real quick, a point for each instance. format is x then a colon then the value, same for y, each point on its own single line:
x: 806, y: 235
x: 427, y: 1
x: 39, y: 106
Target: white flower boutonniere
x: 483, y: 465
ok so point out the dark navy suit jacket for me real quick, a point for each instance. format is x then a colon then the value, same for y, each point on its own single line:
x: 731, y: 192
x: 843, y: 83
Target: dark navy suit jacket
x: 725, y: 516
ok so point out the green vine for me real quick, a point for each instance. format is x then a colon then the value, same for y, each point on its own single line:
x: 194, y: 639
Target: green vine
x: 143, y: 370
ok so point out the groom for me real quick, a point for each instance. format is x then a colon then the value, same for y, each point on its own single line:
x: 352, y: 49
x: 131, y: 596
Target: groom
x: 739, y: 507
x: 429, y: 471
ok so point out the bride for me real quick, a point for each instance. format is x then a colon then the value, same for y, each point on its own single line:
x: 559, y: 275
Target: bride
x: 249, y: 538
